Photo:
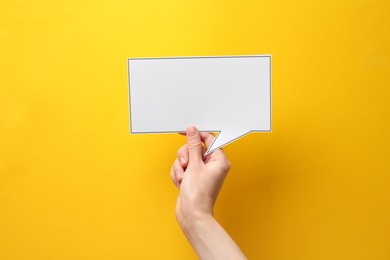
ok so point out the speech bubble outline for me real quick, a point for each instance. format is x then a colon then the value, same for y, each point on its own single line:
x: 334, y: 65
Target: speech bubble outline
x: 225, y: 135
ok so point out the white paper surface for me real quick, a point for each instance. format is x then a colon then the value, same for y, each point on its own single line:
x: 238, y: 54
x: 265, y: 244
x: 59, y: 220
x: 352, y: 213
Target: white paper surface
x: 226, y: 94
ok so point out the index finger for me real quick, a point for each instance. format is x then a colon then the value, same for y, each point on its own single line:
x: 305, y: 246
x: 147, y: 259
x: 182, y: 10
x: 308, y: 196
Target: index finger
x: 207, y: 138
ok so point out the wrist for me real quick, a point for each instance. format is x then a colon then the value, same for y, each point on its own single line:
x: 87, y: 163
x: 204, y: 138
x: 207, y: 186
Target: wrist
x: 190, y: 220
x: 208, y: 238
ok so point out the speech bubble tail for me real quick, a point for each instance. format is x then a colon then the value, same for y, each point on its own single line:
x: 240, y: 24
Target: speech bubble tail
x: 225, y: 137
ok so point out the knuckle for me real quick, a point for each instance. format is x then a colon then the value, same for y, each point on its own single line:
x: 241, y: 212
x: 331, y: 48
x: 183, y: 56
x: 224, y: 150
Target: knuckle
x: 180, y: 151
x: 228, y: 165
x: 175, y: 163
x: 174, y: 180
x: 195, y: 145
x: 172, y: 177
x: 179, y: 179
x: 175, y: 169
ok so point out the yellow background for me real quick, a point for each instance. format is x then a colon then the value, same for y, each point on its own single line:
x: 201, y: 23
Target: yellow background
x: 74, y: 184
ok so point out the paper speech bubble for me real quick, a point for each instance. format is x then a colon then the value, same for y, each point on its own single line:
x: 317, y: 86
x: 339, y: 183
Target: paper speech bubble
x: 226, y: 94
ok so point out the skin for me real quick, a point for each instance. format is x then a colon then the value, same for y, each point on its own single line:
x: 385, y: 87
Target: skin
x: 199, y: 179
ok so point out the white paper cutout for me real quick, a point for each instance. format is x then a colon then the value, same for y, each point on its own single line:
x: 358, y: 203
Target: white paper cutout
x: 226, y: 94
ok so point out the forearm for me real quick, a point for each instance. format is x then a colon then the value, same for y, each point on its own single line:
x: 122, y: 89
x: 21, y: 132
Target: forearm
x: 209, y: 239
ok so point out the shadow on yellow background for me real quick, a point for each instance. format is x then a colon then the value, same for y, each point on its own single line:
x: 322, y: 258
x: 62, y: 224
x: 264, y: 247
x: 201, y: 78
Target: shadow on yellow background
x: 74, y: 184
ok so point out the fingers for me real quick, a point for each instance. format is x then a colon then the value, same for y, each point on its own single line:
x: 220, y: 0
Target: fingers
x: 194, y: 144
x: 183, y: 156
x: 207, y: 139
x: 177, y: 173
x: 196, y: 150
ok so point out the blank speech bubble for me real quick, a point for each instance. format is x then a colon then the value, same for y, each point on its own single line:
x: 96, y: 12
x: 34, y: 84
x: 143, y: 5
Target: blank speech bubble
x: 230, y: 95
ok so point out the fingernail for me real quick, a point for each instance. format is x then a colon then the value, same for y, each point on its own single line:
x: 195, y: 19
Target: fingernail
x: 191, y: 131
x: 182, y: 160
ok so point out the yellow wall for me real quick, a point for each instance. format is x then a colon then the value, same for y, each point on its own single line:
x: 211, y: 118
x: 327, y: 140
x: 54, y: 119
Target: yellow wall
x: 74, y: 184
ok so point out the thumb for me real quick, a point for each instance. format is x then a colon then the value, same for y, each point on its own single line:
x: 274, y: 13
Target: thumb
x: 194, y: 144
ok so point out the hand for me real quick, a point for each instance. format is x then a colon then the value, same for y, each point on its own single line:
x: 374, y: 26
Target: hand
x: 198, y: 177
